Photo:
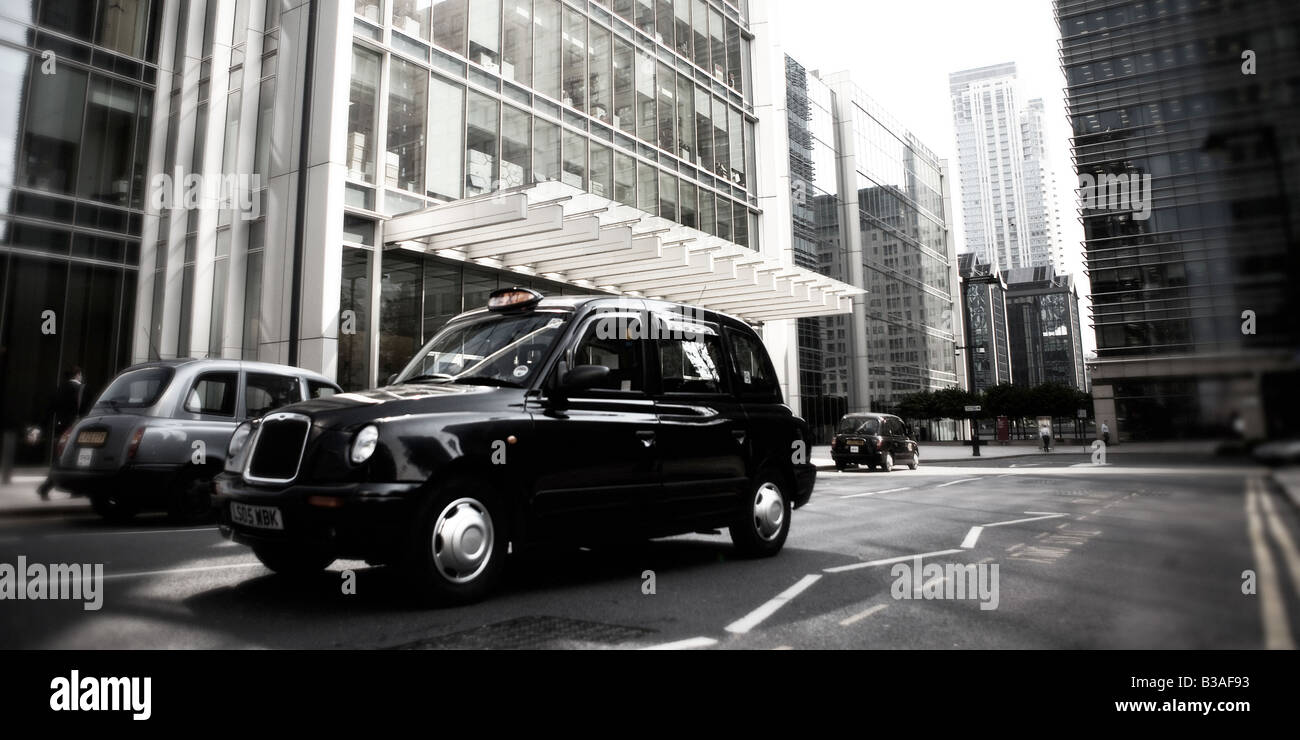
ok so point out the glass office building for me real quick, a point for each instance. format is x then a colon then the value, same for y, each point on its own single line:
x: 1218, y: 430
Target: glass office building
x: 984, y: 306
x: 1195, y: 103
x: 896, y: 227
x: 78, y: 79
x: 326, y: 184
x: 815, y: 242
x: 1043, y: 327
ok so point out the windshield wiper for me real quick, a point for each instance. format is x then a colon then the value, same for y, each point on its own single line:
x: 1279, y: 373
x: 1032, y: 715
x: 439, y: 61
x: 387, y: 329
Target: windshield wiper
x: 486, y: 380
x: 427, y: 376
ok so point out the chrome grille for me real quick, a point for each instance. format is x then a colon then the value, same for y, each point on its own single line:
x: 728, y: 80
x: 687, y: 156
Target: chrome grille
x: 277, y: 448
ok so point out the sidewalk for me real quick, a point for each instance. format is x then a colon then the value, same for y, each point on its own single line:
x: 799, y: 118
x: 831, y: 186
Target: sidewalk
x: 953, y: 451
x: 18, y: 497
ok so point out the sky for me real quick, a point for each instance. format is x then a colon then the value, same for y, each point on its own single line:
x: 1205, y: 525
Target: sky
x: 901, y: 53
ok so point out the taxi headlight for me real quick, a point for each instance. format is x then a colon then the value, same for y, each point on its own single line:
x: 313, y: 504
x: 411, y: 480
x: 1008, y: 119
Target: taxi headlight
x: 238, y: 444
x: 363, y: 445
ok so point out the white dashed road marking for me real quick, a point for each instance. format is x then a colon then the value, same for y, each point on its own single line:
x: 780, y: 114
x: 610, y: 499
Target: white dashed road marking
x: 756, y: 617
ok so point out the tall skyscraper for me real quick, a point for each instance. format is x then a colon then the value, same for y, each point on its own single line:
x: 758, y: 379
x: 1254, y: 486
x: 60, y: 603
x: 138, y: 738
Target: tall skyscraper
x: 1188, y: 158
x: 1010, y: 212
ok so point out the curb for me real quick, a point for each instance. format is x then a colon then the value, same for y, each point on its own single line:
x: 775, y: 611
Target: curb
x: 1292, y: 492
x: 929, y: 461
x: 45, y: 510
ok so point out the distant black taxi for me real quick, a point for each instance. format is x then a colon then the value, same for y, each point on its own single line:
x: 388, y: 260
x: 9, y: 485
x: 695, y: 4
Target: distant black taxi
x: 534, y: 420
x: 874, y: 440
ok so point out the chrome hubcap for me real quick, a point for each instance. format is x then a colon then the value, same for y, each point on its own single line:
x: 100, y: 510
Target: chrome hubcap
x: 769, y: 511
x: 462, y: 540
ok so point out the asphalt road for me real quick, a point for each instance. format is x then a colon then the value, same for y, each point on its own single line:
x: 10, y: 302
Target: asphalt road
x: 1148, y: 552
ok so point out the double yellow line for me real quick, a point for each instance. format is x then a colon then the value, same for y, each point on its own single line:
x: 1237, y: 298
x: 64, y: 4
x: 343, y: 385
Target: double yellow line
x: 1261, y: 516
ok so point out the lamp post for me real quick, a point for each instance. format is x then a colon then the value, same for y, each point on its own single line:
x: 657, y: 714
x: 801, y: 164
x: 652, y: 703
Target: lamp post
x: 972, y: 410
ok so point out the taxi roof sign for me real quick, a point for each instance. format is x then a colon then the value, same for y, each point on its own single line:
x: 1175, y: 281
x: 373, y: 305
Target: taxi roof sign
x: 513, y: 299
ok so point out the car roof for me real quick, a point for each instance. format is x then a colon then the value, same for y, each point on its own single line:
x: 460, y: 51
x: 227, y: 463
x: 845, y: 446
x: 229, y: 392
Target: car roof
x: 199, y: 364
x: 579, y: 302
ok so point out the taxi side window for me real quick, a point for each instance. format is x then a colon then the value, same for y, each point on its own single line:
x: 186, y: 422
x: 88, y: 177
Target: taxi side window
x: 691, y: 364
x: 264, y: 392
x: 212, y: 394
x: 754, y: 374
x: 613, y: 342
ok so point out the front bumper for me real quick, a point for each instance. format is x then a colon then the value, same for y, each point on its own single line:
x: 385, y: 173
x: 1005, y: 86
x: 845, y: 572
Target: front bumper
x: 363, y: 521
x: 805, y: 477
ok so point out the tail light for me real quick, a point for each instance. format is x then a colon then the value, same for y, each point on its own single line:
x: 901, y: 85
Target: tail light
x: 134, y: 447
x: 880, y: 443
x: 63, y: 442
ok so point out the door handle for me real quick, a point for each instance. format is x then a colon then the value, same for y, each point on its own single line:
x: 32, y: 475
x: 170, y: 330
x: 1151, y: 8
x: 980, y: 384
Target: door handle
x: 647, y: 438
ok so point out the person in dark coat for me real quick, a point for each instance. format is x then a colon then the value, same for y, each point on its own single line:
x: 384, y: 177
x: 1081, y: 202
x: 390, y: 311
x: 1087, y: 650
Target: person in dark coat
x: 67, y: 407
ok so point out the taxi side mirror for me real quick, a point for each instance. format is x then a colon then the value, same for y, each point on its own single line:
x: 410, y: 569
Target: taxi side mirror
x: 583, y: 377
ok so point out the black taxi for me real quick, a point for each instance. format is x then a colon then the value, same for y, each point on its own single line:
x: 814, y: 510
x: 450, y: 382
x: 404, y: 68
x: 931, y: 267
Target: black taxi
x: 533, y: 420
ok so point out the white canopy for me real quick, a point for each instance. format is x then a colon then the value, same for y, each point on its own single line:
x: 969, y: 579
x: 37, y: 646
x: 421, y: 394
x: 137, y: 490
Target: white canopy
x: 561, y: 233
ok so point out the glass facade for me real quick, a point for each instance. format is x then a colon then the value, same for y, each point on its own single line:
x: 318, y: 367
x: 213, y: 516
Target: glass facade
x: 485, y: 95
x: 645, y: 102
x: 903, y: 237
x: 816, y: 244
x: 1043, y: 325
x: 74, y: 144
x: 1157, y: 92
x: 984, y: 302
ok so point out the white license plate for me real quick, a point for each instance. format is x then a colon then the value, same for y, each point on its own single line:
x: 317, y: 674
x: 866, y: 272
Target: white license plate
x: 85, y: 457
x: 853, y: 448
x: 261, y: 517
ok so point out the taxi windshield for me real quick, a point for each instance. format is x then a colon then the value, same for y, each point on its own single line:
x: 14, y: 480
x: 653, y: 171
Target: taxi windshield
x: 498, y: 349
x: 858, y: 425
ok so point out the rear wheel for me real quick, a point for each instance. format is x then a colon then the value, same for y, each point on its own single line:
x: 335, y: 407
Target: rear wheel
x: 190, y: 499
x: 761, y: 526
x: 916, y: 460
x: 293, y: 561
x: 113, y: 507
x: 888, y: 464
x: 458, y: 549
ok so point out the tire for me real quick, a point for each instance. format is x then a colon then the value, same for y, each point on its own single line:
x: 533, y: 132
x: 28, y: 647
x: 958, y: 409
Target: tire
x: 888, y: 464
x: 292, y: 561
x: 759, y: 529
x: 190, y: 500
x: 840, y: 467
x: 113, y: 508
x: 457, y: 549
x: 916, y: 460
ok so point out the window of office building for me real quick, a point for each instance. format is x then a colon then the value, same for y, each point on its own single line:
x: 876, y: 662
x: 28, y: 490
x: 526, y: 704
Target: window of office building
x: 354, y: 304
x: 516, y: 147
x: 407, y: 108
x: 485, y: 33
x: 547, y: 47
x: 446, y: 163
x: 363, y: 114
x: 448, y: 20
x: 481, y: 172
x: 574, y: 93
x: 517, y: 42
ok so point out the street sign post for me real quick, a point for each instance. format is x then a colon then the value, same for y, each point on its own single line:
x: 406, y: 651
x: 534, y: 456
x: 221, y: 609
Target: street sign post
x: 974, y: 430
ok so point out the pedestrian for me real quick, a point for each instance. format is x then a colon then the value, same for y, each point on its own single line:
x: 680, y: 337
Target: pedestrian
x: 1045, y: 432
x: 67, y: 407
x: 1105, y: 433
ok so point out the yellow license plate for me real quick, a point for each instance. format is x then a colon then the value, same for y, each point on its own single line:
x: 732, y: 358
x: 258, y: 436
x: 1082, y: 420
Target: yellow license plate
x: 92, y: 437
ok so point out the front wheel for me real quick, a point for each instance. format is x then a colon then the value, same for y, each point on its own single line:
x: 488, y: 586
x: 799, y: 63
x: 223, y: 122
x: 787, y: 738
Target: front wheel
x: 458, y: 549
x: 293, y: 561
x: 761, y: 526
